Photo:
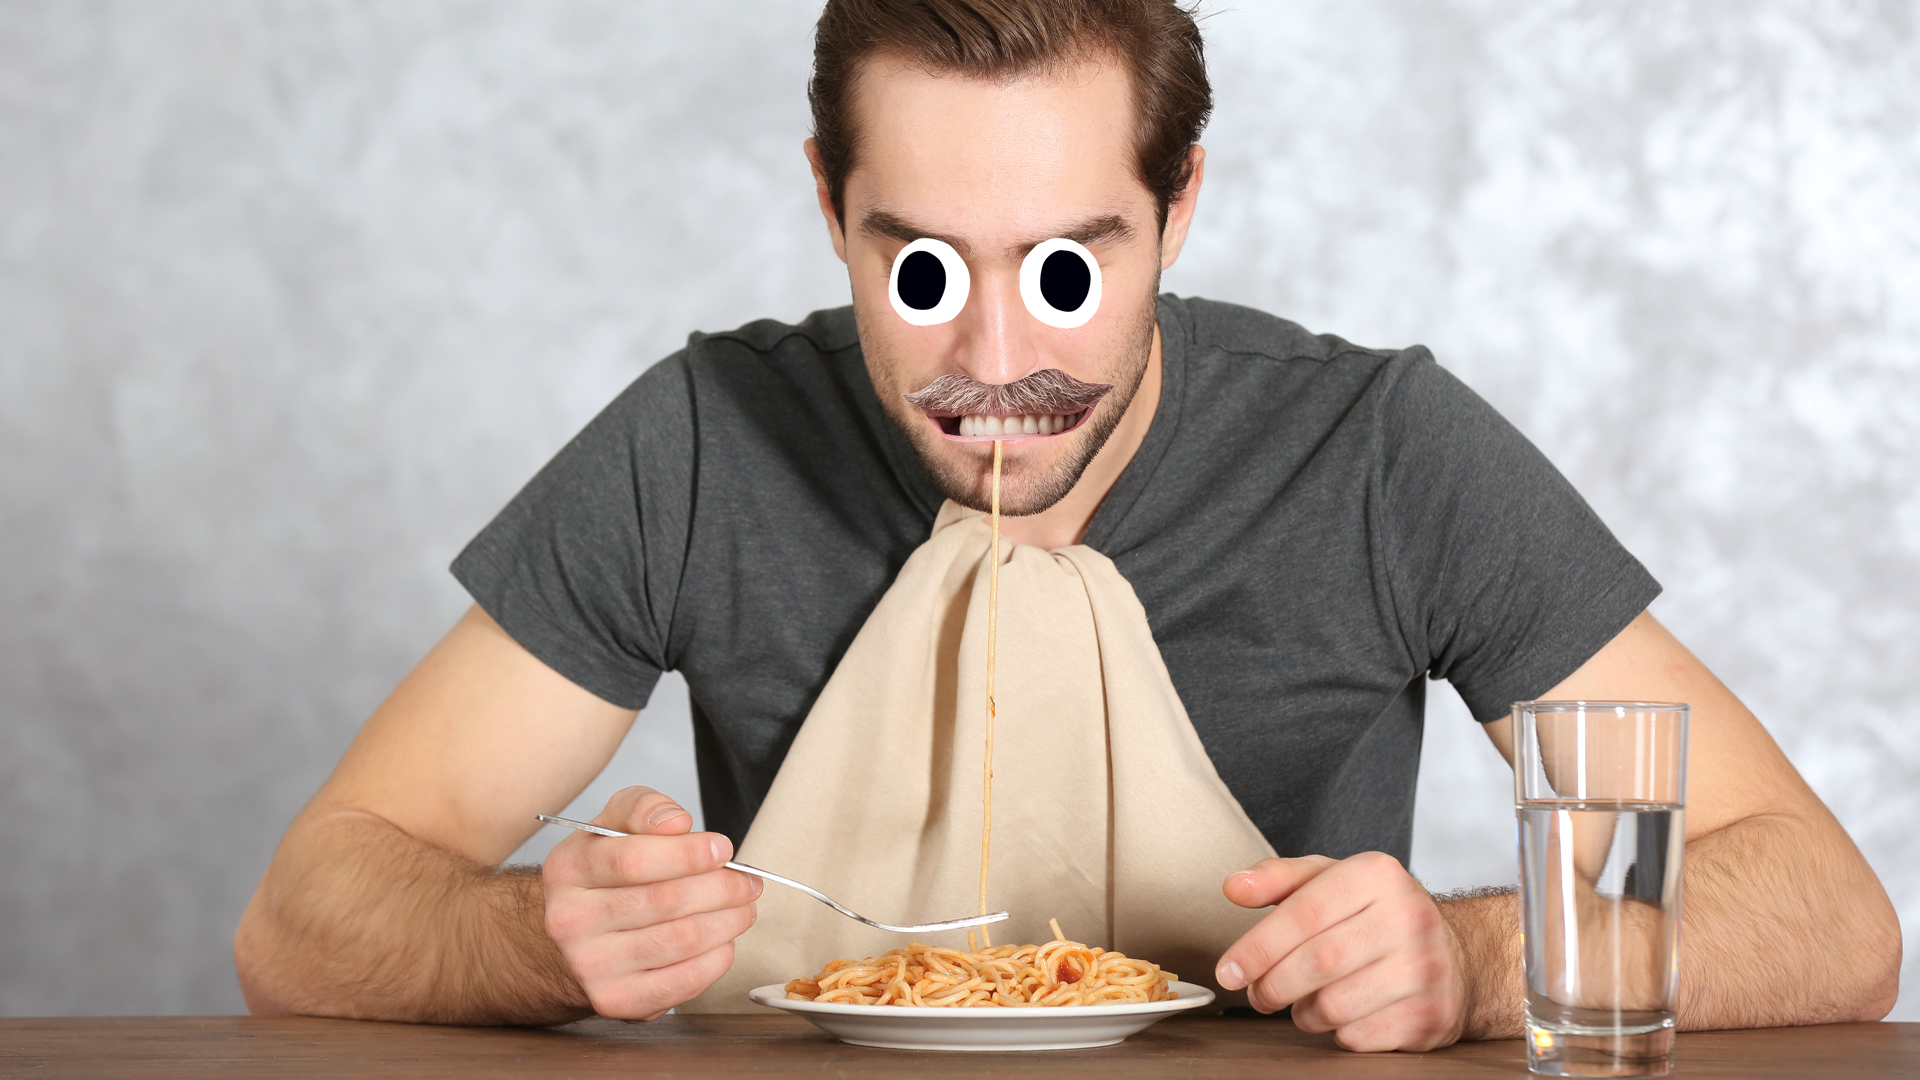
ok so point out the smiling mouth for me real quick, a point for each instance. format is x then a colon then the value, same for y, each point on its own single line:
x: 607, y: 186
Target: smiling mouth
x: 983, y: 427
x: 1040, y: 405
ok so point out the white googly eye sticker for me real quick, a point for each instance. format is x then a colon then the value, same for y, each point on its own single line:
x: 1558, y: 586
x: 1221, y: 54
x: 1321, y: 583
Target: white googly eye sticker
x: 1060, y: 283
x: 929, y: 282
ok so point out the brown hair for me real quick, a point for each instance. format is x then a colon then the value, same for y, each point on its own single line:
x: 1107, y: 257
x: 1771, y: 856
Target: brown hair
x: 1156, y: 40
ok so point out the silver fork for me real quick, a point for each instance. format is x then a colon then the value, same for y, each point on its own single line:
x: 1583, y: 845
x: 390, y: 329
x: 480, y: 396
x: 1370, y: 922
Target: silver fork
x: 922, y: 928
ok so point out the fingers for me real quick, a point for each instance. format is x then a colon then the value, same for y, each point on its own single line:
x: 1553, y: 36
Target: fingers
x: 1358, y: 993
x: 604, y: 862
x: 1323, y: 959
x: 647, y: 995
x: 1313, y: 894
x: 662, y: 848
x: 1383, y: 1006
x: 608, y: 910
x: 621, y: 954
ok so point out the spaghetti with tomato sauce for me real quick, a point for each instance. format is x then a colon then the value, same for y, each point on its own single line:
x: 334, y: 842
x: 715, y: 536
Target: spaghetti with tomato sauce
x: 1059, y: 973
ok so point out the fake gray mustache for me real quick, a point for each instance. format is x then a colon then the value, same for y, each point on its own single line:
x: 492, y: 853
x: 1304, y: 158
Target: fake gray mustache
x: 1047, y: 392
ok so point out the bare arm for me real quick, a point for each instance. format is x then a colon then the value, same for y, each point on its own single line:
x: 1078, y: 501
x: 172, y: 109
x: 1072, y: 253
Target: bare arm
x: 385, y: 899
x: 1783, y: 921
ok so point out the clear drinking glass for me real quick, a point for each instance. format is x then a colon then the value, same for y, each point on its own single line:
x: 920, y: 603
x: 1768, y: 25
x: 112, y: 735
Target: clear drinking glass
x: 1600, y: 790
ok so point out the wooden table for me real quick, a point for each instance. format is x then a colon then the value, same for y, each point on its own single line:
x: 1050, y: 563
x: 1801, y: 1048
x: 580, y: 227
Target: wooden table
x: 725, y: 1046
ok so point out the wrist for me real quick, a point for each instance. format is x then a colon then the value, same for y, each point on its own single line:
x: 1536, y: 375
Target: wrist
x: 1484, y: 927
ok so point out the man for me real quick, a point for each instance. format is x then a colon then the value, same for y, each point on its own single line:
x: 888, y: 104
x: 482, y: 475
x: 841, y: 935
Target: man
x: 1311, y: 528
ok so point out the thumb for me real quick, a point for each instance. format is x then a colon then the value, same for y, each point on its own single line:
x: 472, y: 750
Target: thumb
x: 644, y: 811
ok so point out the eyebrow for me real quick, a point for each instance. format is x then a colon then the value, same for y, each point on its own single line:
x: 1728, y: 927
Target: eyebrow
x: 1105, y: 228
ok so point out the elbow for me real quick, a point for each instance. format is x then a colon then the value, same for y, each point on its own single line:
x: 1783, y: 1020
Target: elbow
x: 1877, y: 986
x: 1864, y: 970
x: 254, y: 952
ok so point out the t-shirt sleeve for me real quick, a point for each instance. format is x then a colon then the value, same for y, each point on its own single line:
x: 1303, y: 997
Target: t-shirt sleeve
x: 1504, y: 580
x: 581, y: 567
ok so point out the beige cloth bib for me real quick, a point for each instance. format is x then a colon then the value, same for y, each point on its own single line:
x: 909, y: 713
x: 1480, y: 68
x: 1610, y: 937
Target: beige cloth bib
x: 1107, y: 813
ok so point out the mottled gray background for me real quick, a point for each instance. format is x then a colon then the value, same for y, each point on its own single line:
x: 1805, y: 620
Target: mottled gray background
x: 294, y: 295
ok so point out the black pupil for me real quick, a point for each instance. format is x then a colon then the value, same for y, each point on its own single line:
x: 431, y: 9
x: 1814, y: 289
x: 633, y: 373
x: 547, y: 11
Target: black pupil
x: 922, y: 281
x: 1065, y: 281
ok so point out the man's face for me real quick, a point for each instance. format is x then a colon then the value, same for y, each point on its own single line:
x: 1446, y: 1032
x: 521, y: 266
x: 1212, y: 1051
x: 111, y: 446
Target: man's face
x: 994, y: 170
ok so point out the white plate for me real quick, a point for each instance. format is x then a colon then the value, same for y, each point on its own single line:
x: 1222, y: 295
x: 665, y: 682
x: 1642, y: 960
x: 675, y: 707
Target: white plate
x: 1067, y: 1027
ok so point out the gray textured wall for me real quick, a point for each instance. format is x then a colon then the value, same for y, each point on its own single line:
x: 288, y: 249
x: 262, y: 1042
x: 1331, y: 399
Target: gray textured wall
x: 294, y: 295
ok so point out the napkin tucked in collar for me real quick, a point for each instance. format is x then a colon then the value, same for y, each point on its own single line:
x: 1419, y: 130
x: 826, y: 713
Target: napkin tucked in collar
x: 1107, y: 813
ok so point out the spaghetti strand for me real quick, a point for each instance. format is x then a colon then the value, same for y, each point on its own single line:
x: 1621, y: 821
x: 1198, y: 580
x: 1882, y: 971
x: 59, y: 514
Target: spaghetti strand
x: 993, y: 636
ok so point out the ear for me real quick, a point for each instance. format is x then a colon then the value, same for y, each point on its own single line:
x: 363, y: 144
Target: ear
x: 825, y: 195
x: 1180, y: 210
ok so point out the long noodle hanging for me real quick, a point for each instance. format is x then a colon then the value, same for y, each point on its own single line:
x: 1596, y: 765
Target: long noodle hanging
x: 986, y: 760
x: 1061, y: 972
x: 1058, y: 973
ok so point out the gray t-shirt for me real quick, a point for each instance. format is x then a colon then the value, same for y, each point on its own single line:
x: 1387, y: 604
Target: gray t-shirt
x: 1313, y: 528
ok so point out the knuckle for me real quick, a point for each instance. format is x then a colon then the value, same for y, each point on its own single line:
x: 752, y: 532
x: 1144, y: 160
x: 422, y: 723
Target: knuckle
x: 670, y: 895
x: 1325, y: 959
x: 739, y: 919
x: 1374, y: 1032
x: 1397, y: 921
x: 742, y: 889
x: 692, y: 854
x: 1263, y: 999
x: 683, y: 982
x: 1308, y: 910
x: 1419, y: 909
x: 673, y: 938
x: 1336, y: 1005
x: 631, y: 862
x: 567, y: 921
x: 1378, y: 864
x: 1255, y: 954
x: 1308, y: 1017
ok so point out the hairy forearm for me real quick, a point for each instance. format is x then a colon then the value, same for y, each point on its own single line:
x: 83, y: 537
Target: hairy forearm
x: 356, y: 918
x: 1782, y: 923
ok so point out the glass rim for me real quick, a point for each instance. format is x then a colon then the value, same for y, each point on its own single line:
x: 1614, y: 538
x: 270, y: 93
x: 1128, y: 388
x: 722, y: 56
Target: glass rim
x: 1562, y: 706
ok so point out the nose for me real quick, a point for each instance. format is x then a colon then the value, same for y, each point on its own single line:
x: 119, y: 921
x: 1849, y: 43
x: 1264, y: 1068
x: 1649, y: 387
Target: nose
x: 997, y: 340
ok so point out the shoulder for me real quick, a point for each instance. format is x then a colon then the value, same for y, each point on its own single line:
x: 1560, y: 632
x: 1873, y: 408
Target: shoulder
x: 762, y: 361
x: 824, y: 332
x: 1262, y: 361
x: 1215, y: 328
x: 806, y: 366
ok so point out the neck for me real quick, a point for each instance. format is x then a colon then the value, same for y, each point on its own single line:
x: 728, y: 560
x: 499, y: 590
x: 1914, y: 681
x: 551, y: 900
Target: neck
x: 1065, y: 522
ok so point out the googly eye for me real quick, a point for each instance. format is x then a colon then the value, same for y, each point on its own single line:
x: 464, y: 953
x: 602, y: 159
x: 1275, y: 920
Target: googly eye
x: 929, y: 282
x: 1060, y: 283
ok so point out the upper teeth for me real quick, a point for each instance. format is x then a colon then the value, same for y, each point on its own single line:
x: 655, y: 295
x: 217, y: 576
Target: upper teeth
x: 1016, y: 425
